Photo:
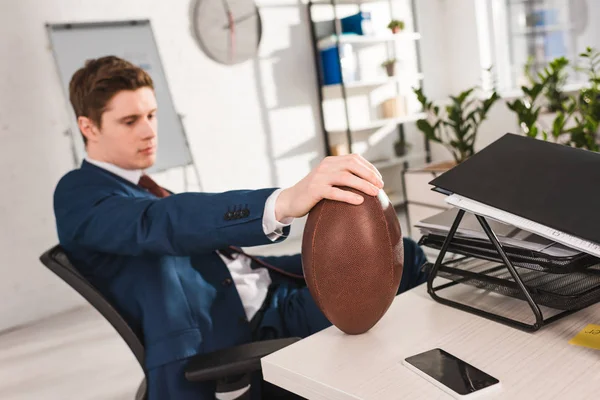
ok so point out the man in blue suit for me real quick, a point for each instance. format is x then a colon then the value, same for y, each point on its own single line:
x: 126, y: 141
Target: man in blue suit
x: 166, y: 260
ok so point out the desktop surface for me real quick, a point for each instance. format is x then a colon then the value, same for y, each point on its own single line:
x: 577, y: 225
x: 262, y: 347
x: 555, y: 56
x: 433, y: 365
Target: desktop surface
x: 333, y: 365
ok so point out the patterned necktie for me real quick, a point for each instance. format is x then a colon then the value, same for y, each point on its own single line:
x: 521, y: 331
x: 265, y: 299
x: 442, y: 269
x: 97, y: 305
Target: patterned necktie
x: 147, y: 183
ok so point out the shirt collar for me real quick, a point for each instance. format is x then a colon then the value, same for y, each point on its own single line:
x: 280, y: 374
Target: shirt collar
x: 132, y: 175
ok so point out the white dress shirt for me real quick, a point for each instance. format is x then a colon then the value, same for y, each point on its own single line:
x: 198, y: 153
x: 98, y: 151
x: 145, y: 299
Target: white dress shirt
x: 251, y: 284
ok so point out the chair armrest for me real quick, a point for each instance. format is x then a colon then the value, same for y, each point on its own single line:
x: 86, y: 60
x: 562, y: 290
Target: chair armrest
x: 232, y: 361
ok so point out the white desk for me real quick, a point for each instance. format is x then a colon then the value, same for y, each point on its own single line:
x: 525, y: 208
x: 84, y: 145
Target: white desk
x: 540, y: 365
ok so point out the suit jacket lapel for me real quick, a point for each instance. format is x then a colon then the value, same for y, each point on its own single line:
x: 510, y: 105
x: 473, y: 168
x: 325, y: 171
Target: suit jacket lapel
x: 91, y: 167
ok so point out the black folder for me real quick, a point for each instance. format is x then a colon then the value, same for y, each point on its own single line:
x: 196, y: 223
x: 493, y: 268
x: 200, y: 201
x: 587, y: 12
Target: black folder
x: 552, y: 184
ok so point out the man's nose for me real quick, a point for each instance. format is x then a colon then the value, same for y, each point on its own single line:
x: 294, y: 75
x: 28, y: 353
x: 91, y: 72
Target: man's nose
x: 147, y: 130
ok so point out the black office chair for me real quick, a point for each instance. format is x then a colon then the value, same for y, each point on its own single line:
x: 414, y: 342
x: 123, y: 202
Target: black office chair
x: 230, y: 367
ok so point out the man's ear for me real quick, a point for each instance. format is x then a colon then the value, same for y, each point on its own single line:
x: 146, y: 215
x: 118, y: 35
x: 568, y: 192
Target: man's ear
x: 88, y: 129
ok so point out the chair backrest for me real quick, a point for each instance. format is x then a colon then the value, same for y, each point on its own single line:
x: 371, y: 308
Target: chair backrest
x: 57, y: 261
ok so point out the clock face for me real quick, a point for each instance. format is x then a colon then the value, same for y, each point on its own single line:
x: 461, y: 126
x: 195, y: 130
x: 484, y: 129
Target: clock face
x: 228, y: 31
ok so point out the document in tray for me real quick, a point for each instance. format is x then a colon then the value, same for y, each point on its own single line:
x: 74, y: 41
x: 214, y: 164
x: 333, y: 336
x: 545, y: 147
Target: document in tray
x: 525, y: 224
x: 507, y: 234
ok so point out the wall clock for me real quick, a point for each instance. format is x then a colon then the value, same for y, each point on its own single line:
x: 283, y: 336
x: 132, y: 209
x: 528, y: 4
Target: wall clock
x: 228, y: 31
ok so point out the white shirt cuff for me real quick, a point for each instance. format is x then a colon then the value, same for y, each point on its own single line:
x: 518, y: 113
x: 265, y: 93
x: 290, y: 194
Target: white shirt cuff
x: 273, y: 228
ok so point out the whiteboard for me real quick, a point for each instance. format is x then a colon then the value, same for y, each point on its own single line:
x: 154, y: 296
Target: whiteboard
x: 74, y: 43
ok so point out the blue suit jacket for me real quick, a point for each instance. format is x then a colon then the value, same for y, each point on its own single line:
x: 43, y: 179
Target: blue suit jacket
x: 155, y: 260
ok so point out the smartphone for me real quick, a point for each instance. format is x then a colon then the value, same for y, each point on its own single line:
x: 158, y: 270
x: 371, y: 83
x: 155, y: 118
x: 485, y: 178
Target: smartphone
x: 451, y: 374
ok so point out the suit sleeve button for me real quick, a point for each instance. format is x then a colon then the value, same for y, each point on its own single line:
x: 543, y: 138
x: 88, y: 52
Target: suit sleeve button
x: 227, y: 282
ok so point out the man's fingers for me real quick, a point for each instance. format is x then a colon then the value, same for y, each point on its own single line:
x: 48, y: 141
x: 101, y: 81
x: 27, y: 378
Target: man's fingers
x: 359, y: 169
x: 368, y: 165
x: 345, y: 196
x: 337, y: 163
x: 353, y: 181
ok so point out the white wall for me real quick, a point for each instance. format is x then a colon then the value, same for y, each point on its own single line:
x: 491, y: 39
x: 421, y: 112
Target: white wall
x: 249, y: 126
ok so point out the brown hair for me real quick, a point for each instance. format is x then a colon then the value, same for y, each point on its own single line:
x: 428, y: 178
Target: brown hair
x: 95, y: 84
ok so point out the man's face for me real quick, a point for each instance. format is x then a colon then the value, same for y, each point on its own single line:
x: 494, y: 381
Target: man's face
x: 127, y: 137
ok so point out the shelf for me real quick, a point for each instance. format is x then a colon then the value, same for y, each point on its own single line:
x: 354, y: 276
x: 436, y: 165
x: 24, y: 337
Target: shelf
x: 380, y: 123
x: 392, y: 162
x: 366, y: 40
x: 336, y: 90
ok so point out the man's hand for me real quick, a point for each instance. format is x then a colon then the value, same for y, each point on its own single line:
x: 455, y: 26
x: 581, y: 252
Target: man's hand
x: 351, y: 171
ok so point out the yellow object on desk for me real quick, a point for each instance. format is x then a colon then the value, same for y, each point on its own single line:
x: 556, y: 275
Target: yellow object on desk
x: 588, y: 337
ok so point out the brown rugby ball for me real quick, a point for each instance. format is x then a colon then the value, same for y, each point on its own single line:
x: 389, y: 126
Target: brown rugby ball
x: 353, y: 258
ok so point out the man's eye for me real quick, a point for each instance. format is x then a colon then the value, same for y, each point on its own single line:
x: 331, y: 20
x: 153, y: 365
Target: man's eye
x: 129, y: 123
x: 151, y: 116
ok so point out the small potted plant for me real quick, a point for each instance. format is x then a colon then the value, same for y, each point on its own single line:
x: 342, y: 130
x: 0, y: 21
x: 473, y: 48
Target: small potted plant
x: 396, y: 26
x: 389, y: 65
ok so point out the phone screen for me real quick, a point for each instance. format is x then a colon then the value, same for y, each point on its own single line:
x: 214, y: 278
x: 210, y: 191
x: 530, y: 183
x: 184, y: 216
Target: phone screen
x: 452, y: 372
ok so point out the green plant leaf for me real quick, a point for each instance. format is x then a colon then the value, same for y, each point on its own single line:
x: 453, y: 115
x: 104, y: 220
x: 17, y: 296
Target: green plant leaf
x: 558, y: 125
x: 428, y: 130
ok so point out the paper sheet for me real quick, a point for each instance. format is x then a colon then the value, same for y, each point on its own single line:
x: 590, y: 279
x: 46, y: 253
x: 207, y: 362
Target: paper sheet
x: 507, y: 234
x: 525, y: 224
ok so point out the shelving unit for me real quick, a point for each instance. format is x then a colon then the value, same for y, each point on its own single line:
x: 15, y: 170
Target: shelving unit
x: 345, y: 129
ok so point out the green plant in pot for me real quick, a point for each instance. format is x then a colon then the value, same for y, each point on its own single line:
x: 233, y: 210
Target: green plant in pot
x: 576, y: 119
x: 389, y: 66
x: 584, y: 133
x: 553, y: 78
x: 528, y: 110
x: 544, y: 95
x: 455, y: 126
x: 589, y: 98
x: 396, y: 26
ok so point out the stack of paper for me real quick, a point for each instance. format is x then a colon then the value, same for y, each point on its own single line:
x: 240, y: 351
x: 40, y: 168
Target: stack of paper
x: 570, y: 242
x: 507, y: 234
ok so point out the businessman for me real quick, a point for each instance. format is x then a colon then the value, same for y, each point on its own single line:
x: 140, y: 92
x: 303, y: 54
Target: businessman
x: 172, y: 263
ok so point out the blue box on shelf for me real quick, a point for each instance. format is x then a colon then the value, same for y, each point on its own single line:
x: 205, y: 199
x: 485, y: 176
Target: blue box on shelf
x: 332, y: 60
x: 359, y: 23
x: 330, y: 66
